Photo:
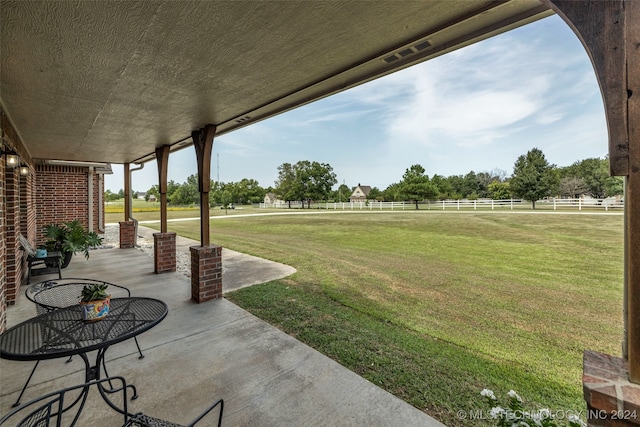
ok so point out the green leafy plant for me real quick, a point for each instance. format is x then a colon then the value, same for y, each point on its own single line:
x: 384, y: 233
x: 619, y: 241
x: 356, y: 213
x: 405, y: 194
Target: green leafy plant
x: 94, y: 293
x: 515, y: 414
x: 71, y: 237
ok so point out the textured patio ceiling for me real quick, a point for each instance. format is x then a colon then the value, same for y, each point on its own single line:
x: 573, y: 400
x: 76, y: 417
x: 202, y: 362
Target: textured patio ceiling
x: 109, y: 81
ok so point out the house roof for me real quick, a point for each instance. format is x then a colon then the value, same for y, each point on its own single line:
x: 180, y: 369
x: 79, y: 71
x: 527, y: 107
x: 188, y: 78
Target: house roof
x: 111, y: 81
x: 366, y: 189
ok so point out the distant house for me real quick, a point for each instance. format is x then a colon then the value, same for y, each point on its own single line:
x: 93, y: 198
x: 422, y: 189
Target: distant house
x: 152, y: 197
x: 272, y: 199
x: 142, y: 195
x: 360, y: 193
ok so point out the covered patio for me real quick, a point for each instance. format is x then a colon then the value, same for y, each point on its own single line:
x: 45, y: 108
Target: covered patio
x: 202, y: 352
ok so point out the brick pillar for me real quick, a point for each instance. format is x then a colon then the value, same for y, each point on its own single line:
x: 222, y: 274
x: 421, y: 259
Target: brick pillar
x: 127, y: 234
x: 612, y: 401
x: 206, y: 273
x: 164, y: 252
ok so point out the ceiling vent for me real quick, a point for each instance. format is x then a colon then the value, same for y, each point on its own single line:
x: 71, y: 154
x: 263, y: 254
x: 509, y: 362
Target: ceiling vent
x: 243, y: 119
x: 406, y: 52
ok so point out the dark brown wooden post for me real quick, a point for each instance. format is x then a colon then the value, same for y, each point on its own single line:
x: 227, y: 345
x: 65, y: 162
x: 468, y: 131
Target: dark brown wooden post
x: 206, y: 259
x: 632, y: 195
x: 162, y: 157
x: 127, y: 227
x: 203, y: 143
x: 164, y: 243
x: 601, y: 27
x: 127, y: 192
x: 610, y: 32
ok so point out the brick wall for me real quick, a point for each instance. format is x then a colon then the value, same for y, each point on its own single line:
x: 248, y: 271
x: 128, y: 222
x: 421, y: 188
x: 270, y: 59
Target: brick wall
x: 63, y: 195
x: 13, y: 266
x: 17, y: 215
x: 28, y: 210
x: 3, y: 253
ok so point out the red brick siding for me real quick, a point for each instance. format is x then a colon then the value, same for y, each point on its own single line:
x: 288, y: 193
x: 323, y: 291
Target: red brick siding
x: 3, y: 253
x: 17, y: 215
x: 63, y: 196
x: 29, y: 230
x: 12, y: 230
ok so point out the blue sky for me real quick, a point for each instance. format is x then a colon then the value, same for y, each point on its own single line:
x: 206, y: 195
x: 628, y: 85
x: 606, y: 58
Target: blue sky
x: 475, y: 109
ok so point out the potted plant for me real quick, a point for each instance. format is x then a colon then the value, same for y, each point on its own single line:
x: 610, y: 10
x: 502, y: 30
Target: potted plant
x: 69, y: 238
x: 95, y: 301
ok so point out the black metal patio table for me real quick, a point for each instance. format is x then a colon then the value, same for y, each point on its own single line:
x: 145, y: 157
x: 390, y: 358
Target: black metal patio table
x: 63, y: 333
x: 60, y: 293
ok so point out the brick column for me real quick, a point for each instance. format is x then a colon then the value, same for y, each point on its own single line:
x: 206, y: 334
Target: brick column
x: 164, y: 252
x: 127, y: 234
x: 612, y: 401
x: 206, y: 273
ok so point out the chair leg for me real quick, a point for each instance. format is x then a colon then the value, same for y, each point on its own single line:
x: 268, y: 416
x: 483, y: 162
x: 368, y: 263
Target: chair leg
x: 139, y: 351
x: 112, y: 389
x: 25, y: 385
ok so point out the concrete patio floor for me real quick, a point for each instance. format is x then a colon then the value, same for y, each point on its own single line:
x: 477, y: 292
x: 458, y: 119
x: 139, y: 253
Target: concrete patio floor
x: 200, y: 353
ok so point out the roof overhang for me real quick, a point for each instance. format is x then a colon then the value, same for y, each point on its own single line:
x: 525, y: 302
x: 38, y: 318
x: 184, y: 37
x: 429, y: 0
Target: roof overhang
x: 111, y: 81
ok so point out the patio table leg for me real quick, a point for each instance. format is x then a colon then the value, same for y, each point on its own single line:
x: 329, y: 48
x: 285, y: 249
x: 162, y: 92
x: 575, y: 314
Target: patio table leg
x: 25, y: 385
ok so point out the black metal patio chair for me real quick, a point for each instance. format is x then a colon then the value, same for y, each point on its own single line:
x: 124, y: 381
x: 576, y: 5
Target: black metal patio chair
x: 63, y: 293
x: 48, y: 264
x: 64, y: 408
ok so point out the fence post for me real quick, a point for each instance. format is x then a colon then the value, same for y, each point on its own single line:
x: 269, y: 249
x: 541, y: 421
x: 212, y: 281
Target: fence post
x: 554, y: 204
x: 491, y: 204
x: 512, y: 203
x: 474, y: 204
x: 580, y: 204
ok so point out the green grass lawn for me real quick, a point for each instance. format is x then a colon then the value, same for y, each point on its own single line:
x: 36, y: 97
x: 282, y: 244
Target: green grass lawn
x: 434, y: 307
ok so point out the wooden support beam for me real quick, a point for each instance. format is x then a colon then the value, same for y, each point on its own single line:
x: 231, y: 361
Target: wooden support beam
x: 632, y: 195
x: 610, y: 32
x: 127, y: 192
x: 203, y: 143
x: 601, y: 27
x: 162, y: 157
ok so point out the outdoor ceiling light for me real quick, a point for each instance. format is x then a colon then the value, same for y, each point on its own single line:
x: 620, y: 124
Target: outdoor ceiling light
x: 13, y: 159
x: 24, y: 170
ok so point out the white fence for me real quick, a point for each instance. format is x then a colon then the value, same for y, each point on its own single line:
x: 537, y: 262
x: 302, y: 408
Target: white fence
x: 480, y: 204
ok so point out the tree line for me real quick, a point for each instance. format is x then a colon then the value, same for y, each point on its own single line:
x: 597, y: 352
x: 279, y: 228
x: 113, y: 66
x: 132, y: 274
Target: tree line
x: 533, y: 178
